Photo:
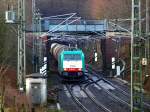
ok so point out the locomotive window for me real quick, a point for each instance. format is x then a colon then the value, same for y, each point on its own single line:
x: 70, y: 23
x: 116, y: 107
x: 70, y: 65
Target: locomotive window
x: 72, y: 57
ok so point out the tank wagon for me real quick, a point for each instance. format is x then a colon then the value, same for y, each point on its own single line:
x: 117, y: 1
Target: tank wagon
x: 71, y: 63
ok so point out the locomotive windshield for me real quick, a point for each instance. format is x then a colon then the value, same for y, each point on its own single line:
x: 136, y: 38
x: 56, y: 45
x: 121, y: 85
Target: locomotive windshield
x: 72, y: 57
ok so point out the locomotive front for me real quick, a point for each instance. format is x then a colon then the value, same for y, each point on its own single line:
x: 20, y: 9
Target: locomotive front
x: 72, y: 64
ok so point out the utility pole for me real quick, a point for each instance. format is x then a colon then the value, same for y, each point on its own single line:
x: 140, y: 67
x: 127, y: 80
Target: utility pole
x: 136, y: 58
x: 21, y: 68
x: 38, y: 41
x: 147, y: 17
x: 147, y: 28
x: 37, y: 45
x: 33, y: 38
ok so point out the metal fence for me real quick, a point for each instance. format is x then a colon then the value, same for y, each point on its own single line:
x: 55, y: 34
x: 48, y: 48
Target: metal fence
x: 79, y: 26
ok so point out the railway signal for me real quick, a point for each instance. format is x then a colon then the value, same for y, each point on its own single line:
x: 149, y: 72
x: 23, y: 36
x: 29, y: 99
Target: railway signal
x: 113, y: 63
x: 95, y: 55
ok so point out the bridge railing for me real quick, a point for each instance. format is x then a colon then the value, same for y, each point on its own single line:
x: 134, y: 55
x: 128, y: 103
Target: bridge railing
x: 79, y: 26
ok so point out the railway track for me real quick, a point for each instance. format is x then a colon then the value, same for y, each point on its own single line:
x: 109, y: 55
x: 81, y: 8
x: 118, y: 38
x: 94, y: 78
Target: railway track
x: 102, y: 100
x: 100, y: 105
x: 108, y: 101
x: 113, y: 104
x: 119, y: 87
x: 110, y: 93
x: 125, y: 92
x: 81, y: 102
x: 76, y: 100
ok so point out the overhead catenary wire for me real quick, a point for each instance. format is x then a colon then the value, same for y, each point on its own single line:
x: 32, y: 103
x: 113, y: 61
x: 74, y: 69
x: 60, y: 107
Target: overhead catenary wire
x: 58, y: 16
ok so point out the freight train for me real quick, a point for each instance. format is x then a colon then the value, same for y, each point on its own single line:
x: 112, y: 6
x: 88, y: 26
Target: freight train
x: 71, y: 62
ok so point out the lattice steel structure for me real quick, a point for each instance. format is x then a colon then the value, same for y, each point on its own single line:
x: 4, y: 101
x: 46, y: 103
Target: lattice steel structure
x: 21, y: 68
x: 136, y: 58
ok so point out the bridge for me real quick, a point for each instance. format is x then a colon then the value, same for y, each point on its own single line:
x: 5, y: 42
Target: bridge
x: 78, y: 26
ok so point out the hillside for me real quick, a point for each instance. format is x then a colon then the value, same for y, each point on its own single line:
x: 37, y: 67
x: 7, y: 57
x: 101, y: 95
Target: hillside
x: 88, y: 9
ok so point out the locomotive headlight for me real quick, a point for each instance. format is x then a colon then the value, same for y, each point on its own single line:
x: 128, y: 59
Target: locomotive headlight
x: 65, y: 69
x: 79, y: 69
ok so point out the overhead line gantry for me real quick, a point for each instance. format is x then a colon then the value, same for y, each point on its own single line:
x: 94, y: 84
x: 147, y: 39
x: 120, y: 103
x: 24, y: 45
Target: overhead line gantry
x: 137, y: 49
x: 21, y: 68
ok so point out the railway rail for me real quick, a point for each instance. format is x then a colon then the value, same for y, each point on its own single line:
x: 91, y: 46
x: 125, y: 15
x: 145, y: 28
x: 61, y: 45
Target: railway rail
x: 111, y: 103
x: 125, y: 92
x: 111, y: 94
x: 101, y: 107
x: 76, y: 100
x: 100, y: 100
x: 94, y: 103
